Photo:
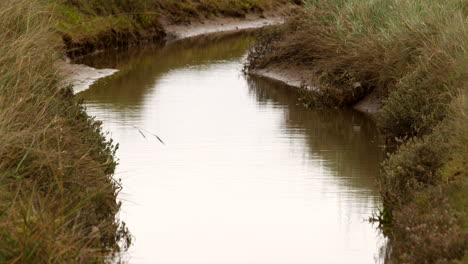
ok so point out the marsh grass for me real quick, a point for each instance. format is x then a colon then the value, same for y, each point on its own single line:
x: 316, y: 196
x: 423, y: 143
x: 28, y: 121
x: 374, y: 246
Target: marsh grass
x: 413, y: 55
x: 89, y: 25
x: 425, y: 185
x: 176, y: 11
x: 57, y: 195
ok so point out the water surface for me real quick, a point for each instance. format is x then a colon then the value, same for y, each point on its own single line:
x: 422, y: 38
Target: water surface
x: 245, y: 174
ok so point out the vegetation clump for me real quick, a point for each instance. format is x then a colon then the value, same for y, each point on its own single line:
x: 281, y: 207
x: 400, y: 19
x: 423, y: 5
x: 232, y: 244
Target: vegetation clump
x: 57, y: 195
x: 90, y: 25
x: 425, y: 184
x: 412, y: 55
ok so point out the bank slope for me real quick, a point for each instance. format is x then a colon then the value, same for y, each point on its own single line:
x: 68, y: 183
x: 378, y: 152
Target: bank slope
x: 57, y: 195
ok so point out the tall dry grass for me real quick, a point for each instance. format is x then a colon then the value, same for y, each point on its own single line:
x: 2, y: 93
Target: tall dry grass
x: 413, y: 55
x: 411, y: 52
x: 177, y: 11
x: 57, y: 195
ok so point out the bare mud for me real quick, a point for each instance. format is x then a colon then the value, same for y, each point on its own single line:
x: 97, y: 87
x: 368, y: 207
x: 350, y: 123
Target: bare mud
x: 81, y: 77
x: 176, y: 32
x: 371, y: 104
x: 301, y: 78
x: 295, y: 77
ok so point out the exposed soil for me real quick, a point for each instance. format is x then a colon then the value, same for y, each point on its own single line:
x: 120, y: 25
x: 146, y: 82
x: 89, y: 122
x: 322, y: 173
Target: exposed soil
x: 81, y: 77
x: 371, y: 104
x: 296, y: 77
x: 175, y: 32
x: 299, y: 77
x: 112, y: 38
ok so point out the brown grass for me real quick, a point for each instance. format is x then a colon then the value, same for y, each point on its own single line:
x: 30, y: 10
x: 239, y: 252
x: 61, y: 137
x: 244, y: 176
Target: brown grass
x: 58, y: 198
x: 413, y: 55
x: 411, y: 52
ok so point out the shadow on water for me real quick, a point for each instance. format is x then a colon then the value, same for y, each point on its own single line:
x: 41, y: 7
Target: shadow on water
x: 347, y: 140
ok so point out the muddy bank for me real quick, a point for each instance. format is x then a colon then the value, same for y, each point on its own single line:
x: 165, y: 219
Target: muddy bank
x: 300, y: 77
x: 218, y: 25
x: 81, y: 77
x: 371, y: 104
x: 291, y: 77
x: 90, y: 25
x: 112, y: 38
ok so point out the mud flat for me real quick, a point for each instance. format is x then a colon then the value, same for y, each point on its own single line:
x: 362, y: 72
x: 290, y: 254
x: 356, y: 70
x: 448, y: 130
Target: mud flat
x: 176, y: 32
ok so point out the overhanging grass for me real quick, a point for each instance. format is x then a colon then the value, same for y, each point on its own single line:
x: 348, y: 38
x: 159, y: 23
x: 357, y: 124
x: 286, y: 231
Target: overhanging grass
x: 57, y: 195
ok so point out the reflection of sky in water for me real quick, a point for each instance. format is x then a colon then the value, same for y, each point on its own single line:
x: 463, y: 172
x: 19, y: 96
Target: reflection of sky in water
x: 246, y: 175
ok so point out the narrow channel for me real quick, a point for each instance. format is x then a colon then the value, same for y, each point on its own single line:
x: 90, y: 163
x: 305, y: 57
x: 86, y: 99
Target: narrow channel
x: 245, y: 174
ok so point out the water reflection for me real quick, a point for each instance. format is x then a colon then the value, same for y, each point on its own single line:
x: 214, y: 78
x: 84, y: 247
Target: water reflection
x: 347, y: 140
x: 246, y: 175
x: 147, y: 64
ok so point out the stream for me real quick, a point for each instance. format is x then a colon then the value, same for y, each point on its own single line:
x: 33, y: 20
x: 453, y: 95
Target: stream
x: 221, y: 168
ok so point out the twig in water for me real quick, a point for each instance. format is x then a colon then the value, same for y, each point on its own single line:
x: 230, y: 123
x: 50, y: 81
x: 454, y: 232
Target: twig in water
x: 154, y: 135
